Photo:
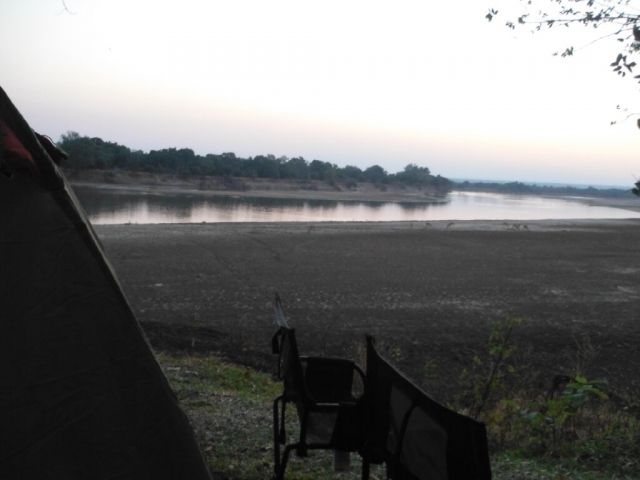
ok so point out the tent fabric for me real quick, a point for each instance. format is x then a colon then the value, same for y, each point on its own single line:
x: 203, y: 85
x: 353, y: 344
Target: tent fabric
x: 81, y: 394
x: 416, y: 437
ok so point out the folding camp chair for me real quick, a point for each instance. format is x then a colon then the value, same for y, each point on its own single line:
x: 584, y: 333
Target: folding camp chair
x: 330, y: 415
x: 416, y: 437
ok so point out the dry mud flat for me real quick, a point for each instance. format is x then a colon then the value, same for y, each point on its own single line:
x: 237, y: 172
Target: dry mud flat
x: 427, y: 291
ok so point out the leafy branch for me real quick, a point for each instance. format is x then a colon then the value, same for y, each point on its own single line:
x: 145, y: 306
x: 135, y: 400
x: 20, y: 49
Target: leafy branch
x: 65, y: 9
x: 590, y: 13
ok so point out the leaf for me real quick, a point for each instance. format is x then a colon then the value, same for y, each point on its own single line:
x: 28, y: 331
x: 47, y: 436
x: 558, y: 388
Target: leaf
x: 577, y: 398
x: 510, y: 403
x: 532, y: 416
x: 581, y: 379
x: 599, y: 393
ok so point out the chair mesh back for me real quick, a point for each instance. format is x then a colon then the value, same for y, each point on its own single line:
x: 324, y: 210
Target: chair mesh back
x: 329, y: 381
x: 291, y: 370
x: 417, y: 437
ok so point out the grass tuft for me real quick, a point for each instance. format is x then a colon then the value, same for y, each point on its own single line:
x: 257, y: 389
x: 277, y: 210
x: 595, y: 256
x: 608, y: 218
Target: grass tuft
x: 230, y: 409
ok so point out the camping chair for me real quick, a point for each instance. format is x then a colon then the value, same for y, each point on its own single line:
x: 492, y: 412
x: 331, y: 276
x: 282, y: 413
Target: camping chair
x: 416, y: 437
x: 321, y: 389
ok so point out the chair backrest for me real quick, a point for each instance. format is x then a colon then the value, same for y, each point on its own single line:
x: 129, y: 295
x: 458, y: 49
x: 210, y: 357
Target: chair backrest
x: 415, y: 436
x: 290, y: 369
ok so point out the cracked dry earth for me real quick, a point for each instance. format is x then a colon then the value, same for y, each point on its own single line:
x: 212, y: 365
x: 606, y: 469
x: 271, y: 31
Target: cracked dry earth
x: 425, y: 290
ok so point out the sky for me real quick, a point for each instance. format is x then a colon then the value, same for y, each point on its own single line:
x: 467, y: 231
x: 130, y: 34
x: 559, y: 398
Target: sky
x: 347, y: 82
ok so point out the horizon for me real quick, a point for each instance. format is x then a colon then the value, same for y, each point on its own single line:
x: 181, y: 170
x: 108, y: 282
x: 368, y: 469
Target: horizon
x: 455, y: 180
x: 361, y: 84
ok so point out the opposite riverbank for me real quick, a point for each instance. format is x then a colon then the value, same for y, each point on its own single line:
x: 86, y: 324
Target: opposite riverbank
x: 287, y: 189
x: 252, y: 187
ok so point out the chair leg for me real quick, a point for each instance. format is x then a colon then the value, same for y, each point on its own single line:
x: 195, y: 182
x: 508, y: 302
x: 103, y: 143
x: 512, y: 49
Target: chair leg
x: 276, y: 438
x: 365, y: 467
x: 301, y: 451
x: 285, y: 459
x: 283, y: 431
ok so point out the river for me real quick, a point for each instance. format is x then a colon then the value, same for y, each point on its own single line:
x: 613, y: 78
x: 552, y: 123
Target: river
x: 106, y: 206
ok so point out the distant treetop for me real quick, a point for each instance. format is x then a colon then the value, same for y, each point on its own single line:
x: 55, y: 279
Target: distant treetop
x: 95, y: 153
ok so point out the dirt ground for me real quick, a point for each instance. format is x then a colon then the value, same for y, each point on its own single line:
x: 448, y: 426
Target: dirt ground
x: 425, y: 291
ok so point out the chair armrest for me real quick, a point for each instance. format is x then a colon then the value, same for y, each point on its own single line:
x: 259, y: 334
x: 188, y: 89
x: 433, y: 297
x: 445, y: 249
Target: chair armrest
x: 338, y: 362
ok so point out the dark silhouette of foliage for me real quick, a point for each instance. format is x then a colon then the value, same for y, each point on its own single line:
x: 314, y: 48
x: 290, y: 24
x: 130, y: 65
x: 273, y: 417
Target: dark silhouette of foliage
x: 95, y: 153
x: 518, y: 188
x: 616, y: 20
x: 375, y: 174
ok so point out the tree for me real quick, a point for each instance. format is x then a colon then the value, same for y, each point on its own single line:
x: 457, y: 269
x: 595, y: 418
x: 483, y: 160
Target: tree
x: 317, y: 169
x: 84, y: 152
x: 414, y: 175
x: 619, y: 19
x: 375, y: 174
x: 352, y: 173
x: 298, y: 168
x: 616, y: 20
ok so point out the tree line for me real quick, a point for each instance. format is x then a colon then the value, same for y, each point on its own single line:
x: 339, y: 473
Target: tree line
x: 519, y: 188
x: 95, y: 153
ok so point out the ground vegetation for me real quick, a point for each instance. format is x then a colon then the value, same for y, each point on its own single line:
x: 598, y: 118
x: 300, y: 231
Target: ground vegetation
x: 572, y: 431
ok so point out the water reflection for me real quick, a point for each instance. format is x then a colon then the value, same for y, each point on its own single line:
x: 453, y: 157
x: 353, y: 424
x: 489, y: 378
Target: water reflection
x: 114, y: 206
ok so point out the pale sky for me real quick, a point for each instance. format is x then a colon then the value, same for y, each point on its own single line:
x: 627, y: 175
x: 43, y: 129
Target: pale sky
x: 348, y: 82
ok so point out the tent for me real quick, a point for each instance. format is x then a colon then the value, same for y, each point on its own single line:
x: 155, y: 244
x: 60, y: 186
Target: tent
x: 81, y: 394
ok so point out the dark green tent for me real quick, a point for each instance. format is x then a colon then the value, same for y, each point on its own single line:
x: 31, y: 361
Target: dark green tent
x: 81, y: 394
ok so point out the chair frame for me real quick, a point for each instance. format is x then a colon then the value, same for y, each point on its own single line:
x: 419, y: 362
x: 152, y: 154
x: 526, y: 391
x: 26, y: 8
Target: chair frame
x: 306, y: 402
x: 375, y: 448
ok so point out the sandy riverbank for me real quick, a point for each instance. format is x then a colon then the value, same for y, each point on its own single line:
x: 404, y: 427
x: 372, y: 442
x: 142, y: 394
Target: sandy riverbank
x: 251, y: 187
x: 427, y: 291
